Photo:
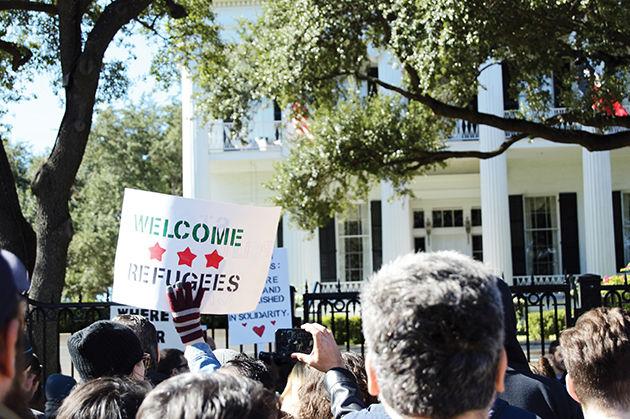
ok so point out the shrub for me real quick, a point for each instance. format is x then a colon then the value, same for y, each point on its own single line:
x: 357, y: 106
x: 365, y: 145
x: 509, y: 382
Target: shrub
x: 340, y: 329
x: 548, y: 324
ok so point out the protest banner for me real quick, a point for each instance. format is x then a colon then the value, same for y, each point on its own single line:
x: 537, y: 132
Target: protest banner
x: 273, y: 311
x: 166, y: 333
x: 224, y: 248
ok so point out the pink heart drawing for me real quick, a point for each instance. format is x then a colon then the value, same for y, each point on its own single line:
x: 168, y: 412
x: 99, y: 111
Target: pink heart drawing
x: 273, y: 322
x: 259, y: 330
x: 244, y: 324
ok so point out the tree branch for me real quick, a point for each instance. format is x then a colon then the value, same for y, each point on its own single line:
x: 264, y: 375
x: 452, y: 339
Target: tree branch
x: 590, y: 141
x: 31, y: 6
x: 116, y: 15
x: 423, y: 158
x: 70, y: 15
x: 20, y: 54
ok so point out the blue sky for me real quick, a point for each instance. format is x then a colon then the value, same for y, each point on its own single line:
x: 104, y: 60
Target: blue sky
x: 36, y: 121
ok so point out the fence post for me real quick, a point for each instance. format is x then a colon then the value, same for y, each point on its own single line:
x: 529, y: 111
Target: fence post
x: 590, y: 292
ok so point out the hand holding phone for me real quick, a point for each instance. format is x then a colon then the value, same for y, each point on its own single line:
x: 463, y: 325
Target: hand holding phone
x: 325, y: 354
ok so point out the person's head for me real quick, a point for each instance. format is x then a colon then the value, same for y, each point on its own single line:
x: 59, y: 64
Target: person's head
x: 172, y: 362
x: 295, y: 380
x: 104, y: 349
x: 597, y: 356
x: 105, y: 397
x: 224, y: 355
x: 244, y: 366
x: 312, y: 398
x: 555, y: 357
x: 355, y: 363
x: 542, y: 367
x: 433, y: 325
x: 17, y: 269
x: 209, y: 396
x: 11, y: 317
x: 32, y: 376
x: 57, y: 388
x: 146, y: 332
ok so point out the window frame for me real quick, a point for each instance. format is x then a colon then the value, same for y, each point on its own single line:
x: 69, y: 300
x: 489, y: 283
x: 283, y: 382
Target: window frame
x: 557, y: 262
x: 366, y: 243
x: 452, y: 210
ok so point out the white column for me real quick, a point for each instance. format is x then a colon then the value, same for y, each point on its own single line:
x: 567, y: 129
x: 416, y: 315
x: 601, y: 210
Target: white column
x: 396, y: 224
x: 303, y: 254
x: 599, y: 231
x: 495, y: 212
x: 195, y: 175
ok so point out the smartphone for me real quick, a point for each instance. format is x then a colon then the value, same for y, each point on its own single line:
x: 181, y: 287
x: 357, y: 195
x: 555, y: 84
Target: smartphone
x: 289, y: 341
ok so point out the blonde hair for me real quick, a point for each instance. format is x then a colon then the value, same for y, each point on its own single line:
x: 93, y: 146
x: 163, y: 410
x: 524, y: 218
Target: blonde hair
x: 289, y: 397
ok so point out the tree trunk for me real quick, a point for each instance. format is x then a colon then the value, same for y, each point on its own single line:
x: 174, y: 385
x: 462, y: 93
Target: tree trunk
x: 16, y: 234
x: 52, y: 187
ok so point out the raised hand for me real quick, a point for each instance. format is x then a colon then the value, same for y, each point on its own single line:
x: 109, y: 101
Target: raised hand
x: 185, y: 306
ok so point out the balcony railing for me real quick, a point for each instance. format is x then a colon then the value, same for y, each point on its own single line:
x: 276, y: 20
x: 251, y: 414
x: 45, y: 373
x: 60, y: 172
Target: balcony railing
x: 539, y: 279
x: 262, y: 136
x: 465, y: 131
x: 339, y: 286
x: 561, y: 124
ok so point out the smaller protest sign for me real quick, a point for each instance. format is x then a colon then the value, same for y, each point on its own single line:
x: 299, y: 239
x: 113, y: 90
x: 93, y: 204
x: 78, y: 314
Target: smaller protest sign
x: 273, y: 311
x: 167, y: 335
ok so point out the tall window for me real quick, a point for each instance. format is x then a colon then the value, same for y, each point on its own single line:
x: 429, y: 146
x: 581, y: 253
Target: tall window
x: 541, y: 236
x: 477, y: 247
x: 626, y: 226
x: 354, y: 244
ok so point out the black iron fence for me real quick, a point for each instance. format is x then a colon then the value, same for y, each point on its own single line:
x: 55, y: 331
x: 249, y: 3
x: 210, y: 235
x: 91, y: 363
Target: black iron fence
x: 50, y: 324
x: 543, y: 310
x: 544, y: 307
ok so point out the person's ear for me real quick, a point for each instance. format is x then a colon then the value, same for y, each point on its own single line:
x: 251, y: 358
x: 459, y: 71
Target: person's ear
x: 571, y: 388
x: 372, y: 381
x: 499, y: 382
x: 7, y: 354
x: 139, y: 371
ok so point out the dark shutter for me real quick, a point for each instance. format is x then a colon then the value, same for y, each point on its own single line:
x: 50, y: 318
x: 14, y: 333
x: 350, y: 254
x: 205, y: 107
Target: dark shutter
x: 377, y: 235
x: 517, y: 231
x: 280, y: 235
x: 510, y: 99
x: 328, y: 252
x: 617, y: 222
x: 569, y: 233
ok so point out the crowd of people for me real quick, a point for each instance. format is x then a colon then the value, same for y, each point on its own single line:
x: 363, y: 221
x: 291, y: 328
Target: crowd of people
x: 440, y: 334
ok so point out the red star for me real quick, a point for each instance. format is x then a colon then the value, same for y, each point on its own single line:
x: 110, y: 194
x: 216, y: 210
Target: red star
x: 186, y: 257
x: 213, y: 259
x: 156, y: 251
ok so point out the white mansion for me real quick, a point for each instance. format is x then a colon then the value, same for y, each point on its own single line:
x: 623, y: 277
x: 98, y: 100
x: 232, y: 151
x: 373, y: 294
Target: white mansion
x: 538, y: 209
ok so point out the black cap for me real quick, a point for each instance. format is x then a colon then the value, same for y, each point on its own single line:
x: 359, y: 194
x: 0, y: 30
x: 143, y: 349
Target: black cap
x: 18, y: 271
x: 104, y: 349
x: 9, y: 297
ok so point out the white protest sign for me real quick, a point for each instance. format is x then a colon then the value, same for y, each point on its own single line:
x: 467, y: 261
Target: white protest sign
x: 167, y: 335
x: 273, y: 311
x: 224, y: 248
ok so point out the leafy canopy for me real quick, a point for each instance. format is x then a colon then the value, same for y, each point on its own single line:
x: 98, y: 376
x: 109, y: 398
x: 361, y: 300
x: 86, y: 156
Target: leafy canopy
x: 317, y: 52
x: 135, y: 147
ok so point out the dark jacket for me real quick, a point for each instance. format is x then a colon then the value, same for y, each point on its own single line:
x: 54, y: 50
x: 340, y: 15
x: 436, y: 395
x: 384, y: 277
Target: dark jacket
x: 346, y: 403
x: 543, y: 396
